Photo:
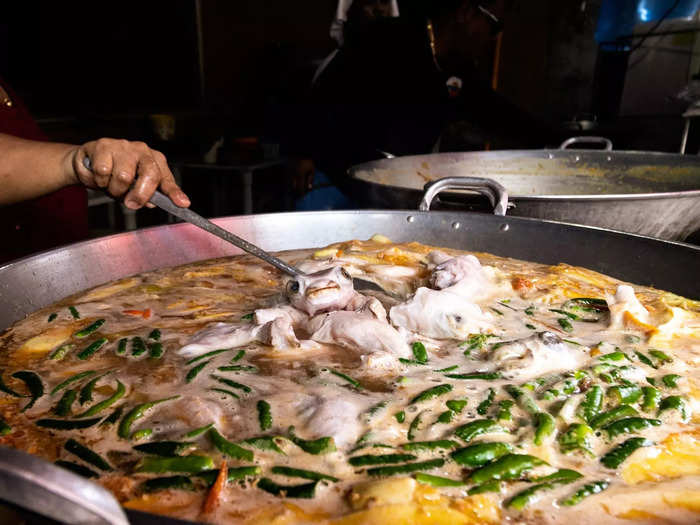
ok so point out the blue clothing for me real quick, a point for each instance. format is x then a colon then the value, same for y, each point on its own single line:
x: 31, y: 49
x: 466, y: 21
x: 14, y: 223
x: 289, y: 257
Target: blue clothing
x: 323, y: 196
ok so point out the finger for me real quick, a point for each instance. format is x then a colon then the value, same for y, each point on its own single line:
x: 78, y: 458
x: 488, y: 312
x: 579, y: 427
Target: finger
x: 102, y: 162
x: 149, y: 176
x: 123, y: 172
x: 168, y: 184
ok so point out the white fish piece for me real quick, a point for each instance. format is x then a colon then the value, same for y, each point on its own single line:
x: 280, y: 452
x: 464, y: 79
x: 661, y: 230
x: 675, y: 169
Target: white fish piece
x: 329, y: 289
x: 441, y: 315
x: 623, y: 301
x: 331, y: 414
x: 265, y: 315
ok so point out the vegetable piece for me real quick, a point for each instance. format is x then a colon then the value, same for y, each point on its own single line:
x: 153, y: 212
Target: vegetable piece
x: 476, y: 428
x: 619, y: 454
x: 146, y: 314
x: 430, y: 445
x: 5, y: 429
x: 137, y: 412
x: 504, y: 408
x: 208, y: 354
x: 264, y: 415
x: 576, y: 437
x: 651, y: 398
x: 106, y: 403
x: 113, y: 417
x: 192, y: 373
x: 247, y: 317
x: 77, y: 469
x: 589, y: 489
x: 87, y: 455
x: 431, y: 393
x: 406, y: 468
x: 232, y: 384
x: 419, y: 352
x: 238, y: 356
x: 630, y: 425
x: 265, y: 443
x: 644, y: 359
x: 565, y: 324
x: 198, y: 431
x: 661, y: 356
x: 361, y: 461
x: 625, y: 393
x: 608, y: 417
x: 166, y: 449
x: 301, y: 473
x: 510, y: 466
x: 591, y: 404
x: 167, y: 483
x: 485, y: 376
x: 121, y: 349
x: 92, y: 348
x: 138, y: 346
x: 305, y: 491
x: 52, y: 317
x: 322, y: 445
x: 531, y: 494
x: 489, y: 486
x: 234, y: 474
x: 400, y: 416
x: 141, y: 434
x: 74, y: 312
x: 447, y: 369
x: 480, y: 454
x: 188, y: 464
x: 89, y: 329
x: 224, y: 391
x: 154, y: 334
x: 675, y: 403
x: 671, y: 380
x: 414, y: 427
x: 617, y: 355
x: 347, y: 378
x: 238, y: 368
x: 563, y: 474
x: 64, y: 424
x: 476, y: 342
x: 437, y: 481
x: 61, y: 352
x: 456, y: 405
x: 213, y: 498
x: 155, y: 350
x: 63, y: 407
x: 484, y: 406
x: 34, y: 385
x: 544, y: 427
x: 225, y: 446
x: 86, y: 391
x: 523, y: 399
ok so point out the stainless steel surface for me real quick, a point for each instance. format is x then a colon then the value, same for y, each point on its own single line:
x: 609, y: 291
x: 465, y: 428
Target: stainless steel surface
x: 587, y: 140
x: 655, y: 194
x: 38, y: 281
x: 492, y: 190
x: 41, y: 487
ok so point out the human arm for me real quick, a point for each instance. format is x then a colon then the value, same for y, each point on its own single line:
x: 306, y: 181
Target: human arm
x: 30, y: 169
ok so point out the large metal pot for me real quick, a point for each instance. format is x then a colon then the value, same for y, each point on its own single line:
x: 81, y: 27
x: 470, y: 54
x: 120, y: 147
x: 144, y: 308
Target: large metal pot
x: 655, y: 194
x: 37, y: 281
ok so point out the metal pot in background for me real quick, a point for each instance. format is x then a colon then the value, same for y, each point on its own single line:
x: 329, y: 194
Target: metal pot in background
x: 655, y: 194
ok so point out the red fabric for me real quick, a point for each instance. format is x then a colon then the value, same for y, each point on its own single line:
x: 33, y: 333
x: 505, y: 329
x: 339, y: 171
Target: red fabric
x: 46, y: 222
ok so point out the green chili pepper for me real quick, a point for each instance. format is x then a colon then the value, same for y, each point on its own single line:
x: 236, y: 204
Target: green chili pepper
x: 227, y: 392
x: 168, y: 483
x: 510, y: 466
x: 192, y: 373
x: 644, y: 359
x: 238, y: 356
x: 431, y: 393
x: 489, y: 486
x: 198, y: 431
x: 5, y: 429
x: 86, y: 391
x: 52, y: 317
x: 238, y: 368
x: 456, y: 405
x: 247, y: 317
x: 671, y: 380
x: 225, y: 446
x: 531, y: 494
x: 63, y: 407
x: 305, y: 491
x: 138, y: 346
x: 137, y: 412
x: 625, y: 393
x: 419, y: 352
x: 400, y: 416
x: 480, y: 454
x: 92, y: 348
x: 446, y: 417
x: 476, y: 428
x: 575, y: 438
x: 614, y: 414
x: 166, y: 448
x: 630, y: 425
x: 406, y: 468
x: 485, y: 376
x: 34, y: 385
x: 155, y: 334
x: 448, y: 369
x: 301, y: 473
x: 61, y: 352
x: 414, y: 427
x: 619, y: 454
x: 437, y: 481
x: 617, y: 355
x: 565, y: 324
x: 141, y: 434
x: 87, y: 455
x: 496, y: 310
x: 651, y: 398
x: 265, y: 443
x: 234, y: 474
x: 430, y: 445
x: 411, y: 362
x: 121, y: 346
x: 64, y: 424
x: 209, y: 354
x: 232, y: 384
x: 89, y: 329
x: 589, y: 489
x: 661, y: 356
x: 80, y: 470
x: 74, y: 312
x: 591, y: 404
x: 484, y: 406
x: 190, y: 464
x: 570, y: 315
x: 504, y: 408
x: 675, y: 403
x: 322, y: 445
x: 374, y: 410
x: 264, y: 415
x: 361, y: 461
x: 155, y: 350
x: 544, y: 427
x: 113, y: 417
x: 347, y: 378
x: 523, y: 399
x: 563, y: 474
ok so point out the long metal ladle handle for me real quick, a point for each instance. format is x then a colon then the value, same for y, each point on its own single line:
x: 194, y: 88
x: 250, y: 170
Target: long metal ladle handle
x: 187, y: 215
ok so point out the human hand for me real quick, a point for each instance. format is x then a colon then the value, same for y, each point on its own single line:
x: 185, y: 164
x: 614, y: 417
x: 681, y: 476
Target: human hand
x: 127, y: 169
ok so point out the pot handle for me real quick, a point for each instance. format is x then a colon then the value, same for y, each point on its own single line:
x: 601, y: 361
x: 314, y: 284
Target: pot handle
x: 587, y: 140
x: 495, y: 192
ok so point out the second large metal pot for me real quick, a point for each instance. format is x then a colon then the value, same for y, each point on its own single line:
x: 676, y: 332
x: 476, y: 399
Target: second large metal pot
x: 655, y: 194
